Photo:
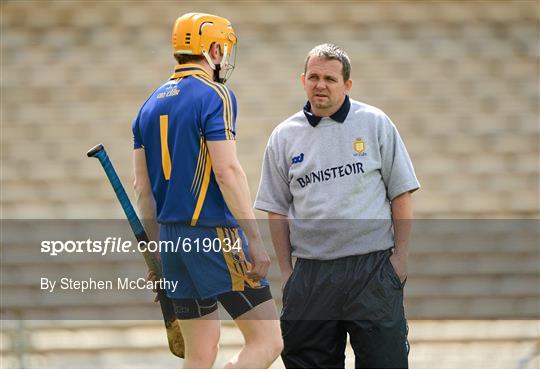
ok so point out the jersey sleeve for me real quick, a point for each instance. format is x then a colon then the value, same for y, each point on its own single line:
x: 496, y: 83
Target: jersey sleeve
x: 219, y: 114
x: 274, y: 194
x: 396, y: 168
x: 137, y: 137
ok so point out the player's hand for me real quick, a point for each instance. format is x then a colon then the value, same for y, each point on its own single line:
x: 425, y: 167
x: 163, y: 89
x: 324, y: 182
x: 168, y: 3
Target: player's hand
x: 399, y: 262
x: 152, y: 276
x: 260, y: 261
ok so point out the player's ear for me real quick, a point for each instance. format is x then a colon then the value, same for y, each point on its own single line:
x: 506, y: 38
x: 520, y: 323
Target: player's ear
x: 215, y: 51
x: 303, y: 79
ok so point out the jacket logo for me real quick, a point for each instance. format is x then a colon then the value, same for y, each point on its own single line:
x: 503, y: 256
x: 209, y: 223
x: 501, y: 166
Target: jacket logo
x: 298, y: 159
x: 359, y: 146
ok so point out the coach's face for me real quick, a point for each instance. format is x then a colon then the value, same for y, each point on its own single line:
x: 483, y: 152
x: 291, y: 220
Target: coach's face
x: 324, y: 85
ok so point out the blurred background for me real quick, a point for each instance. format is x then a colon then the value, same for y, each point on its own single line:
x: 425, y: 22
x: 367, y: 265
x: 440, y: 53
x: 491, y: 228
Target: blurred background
x: 459, y: 79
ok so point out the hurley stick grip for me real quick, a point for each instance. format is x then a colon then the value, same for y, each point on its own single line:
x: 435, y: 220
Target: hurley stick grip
x: 100, y: 153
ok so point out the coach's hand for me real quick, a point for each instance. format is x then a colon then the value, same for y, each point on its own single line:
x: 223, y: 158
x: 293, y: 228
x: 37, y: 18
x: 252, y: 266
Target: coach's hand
x: 284, y: 278
x: 260, y: 261
x: 399, y: 262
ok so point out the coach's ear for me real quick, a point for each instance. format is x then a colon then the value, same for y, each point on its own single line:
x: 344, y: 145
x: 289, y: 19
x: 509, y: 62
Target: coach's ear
x: 348, y: 86
x: 303, y: 79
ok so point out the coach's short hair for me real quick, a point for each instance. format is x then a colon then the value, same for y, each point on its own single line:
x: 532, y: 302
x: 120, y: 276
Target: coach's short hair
x: 331, y: 51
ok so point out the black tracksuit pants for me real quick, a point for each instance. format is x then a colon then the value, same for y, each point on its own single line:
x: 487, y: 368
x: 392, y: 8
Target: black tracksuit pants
x: 359, y: 295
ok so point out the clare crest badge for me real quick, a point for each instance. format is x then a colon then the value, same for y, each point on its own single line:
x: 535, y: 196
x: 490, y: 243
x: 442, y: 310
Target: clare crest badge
x: 359, y: 145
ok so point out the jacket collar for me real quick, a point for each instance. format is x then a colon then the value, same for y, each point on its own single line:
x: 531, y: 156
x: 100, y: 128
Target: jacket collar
x: 339, y: 116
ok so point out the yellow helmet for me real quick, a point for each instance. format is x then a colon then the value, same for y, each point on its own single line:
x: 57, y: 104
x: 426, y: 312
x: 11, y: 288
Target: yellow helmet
x: 194, y: 33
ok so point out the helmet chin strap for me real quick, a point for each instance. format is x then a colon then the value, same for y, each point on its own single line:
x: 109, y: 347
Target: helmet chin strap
x: 217, y: 78
x: 216, y: 67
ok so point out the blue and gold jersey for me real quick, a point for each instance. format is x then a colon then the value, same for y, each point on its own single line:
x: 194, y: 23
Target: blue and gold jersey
x: 173, y: 127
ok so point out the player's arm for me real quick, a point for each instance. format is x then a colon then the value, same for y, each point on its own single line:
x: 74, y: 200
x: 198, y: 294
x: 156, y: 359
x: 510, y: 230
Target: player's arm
x: 143, y: 195
x: 233, y: 184
x: 402, y: 215
x: 279, y: 230
x: 146, y: 204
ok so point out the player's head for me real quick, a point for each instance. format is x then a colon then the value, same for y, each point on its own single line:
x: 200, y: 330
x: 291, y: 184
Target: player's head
x: 198, y: 35
x: 326, y: 78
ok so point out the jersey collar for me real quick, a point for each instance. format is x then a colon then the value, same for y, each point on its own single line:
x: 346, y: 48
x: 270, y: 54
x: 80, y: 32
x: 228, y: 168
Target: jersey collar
x: 339, y: 116
x: 184, y: 70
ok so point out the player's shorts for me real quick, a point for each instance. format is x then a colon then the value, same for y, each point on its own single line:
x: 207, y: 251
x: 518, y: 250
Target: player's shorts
x: 235, y: 302
x: 205, y: 262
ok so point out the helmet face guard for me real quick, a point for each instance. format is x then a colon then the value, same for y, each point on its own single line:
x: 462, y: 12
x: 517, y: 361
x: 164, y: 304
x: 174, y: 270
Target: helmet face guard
x: 223, y: 70
x: 195, y: 33
x: 228, y: 67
